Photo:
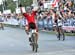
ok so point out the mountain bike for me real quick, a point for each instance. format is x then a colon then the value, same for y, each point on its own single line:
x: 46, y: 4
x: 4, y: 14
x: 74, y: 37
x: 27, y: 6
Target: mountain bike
x: 34, y: 40
x: 60, y: 33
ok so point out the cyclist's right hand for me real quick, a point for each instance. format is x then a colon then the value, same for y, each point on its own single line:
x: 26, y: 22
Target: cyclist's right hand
x: 20, y: 5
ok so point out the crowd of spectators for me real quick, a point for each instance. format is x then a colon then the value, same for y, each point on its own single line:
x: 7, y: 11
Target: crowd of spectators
x: 12, y: 19
x: 65, y: 7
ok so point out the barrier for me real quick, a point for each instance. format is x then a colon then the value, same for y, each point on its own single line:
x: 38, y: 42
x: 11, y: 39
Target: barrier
x: 42, y: 24
x: 11, y: 22
x: 48, y: 24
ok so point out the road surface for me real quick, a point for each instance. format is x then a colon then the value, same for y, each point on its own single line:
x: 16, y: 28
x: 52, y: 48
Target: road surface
x: 14, y: 41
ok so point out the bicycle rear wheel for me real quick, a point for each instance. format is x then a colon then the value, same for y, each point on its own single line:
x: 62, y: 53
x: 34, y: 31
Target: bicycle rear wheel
x: 62, y: 34
x: 58, y: 33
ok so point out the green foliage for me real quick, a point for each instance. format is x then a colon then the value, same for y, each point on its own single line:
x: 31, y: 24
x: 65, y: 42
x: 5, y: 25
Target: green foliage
x: 26, y: 2
x: 10, y: 4
x: 0, y: 8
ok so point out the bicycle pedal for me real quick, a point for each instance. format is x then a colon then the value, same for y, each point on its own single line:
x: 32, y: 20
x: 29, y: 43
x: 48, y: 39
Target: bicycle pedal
x: 31, y: 44
x: 30, y: 40
x: 63, y: 39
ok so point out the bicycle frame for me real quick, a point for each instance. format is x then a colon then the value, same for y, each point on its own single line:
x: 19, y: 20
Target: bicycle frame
x: 60, y: 32
x: 33, y: 38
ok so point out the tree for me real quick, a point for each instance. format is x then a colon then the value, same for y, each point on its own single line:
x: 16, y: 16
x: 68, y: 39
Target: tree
x: 10, y: 4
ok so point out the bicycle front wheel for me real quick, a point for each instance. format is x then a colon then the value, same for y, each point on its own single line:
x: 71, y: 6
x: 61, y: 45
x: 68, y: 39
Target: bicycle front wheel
x: 34, y: 42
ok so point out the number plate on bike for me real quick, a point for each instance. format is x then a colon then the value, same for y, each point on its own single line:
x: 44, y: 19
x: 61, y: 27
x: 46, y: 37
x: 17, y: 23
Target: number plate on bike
x: 33, y: 31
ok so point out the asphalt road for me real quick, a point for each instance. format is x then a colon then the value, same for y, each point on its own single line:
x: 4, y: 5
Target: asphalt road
x: 14, y: 41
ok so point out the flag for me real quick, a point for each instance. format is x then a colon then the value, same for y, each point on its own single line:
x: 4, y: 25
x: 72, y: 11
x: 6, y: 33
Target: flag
x: 55, y: 3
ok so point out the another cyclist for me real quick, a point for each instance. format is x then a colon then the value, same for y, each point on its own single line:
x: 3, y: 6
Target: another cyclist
x: 59, y: 26
x: 57, y: 22
x: 30, y: 16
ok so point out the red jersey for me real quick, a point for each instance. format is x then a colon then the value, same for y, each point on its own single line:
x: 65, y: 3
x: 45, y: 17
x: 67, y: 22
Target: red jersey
x: 30, y: 18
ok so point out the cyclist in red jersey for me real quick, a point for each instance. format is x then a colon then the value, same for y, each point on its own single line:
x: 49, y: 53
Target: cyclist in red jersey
x: 30, y: 16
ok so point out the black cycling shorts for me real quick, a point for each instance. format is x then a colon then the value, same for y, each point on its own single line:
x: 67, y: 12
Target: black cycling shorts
x: 55, y: 21
x: 32, y: 26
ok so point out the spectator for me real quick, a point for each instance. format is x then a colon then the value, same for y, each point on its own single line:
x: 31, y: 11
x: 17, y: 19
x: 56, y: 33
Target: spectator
x: 1, y: 22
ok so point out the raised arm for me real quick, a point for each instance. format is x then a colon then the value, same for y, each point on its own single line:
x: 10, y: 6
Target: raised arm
x: 23, y: 11
x: 35, y: 9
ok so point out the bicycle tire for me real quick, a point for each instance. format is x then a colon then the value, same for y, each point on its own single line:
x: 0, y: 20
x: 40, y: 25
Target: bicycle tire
x: 32, y: 43
x: 33, y: 47
x: 58, y: 35
x: 63, y: 36
x: 35, y: 44
x: 36, y: 48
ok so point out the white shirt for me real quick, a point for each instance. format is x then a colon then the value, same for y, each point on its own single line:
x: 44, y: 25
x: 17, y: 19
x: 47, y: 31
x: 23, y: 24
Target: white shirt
x: 60, y: 22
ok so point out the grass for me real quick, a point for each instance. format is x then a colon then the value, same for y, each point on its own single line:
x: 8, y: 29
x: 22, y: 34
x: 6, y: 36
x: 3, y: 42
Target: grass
x: 70, y: 34
x: 8, y: 25
x: 67, y: 34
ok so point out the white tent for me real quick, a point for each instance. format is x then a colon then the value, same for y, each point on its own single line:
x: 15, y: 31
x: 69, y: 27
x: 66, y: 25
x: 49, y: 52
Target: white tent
x: 19, y: 11
x: 7, y: 11
x: 0, y: 13
x: 0, y: 2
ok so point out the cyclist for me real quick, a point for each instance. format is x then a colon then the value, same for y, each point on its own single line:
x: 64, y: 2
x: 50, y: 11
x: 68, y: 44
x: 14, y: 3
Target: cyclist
x: 57, y: 22
x: 60, y: 22
x: 30, y: 16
